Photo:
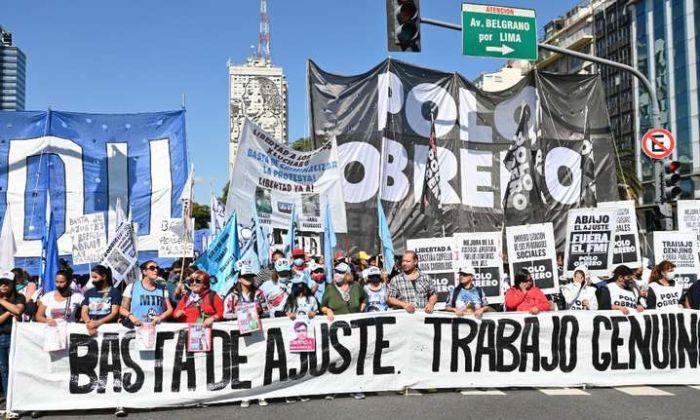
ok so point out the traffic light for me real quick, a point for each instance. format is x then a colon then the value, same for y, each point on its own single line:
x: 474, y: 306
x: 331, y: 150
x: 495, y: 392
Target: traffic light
x: 403, y: 25
x: 671, y: 178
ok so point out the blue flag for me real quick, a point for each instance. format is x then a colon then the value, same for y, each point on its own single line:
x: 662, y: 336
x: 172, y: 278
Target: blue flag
x: 385, y: 237
x: 50, y: 253
x: 329, y: 242
x: 291, y: 233
x: 262, y: 244
x: 219, y: 260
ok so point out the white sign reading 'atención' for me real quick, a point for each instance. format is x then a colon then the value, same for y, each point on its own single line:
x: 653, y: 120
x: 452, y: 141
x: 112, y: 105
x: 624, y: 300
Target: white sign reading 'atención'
x: 355, y: 353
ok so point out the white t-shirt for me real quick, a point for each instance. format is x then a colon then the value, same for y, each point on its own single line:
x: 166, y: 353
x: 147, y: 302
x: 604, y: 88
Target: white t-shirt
x: 58, y: 309
x: 622, y: 297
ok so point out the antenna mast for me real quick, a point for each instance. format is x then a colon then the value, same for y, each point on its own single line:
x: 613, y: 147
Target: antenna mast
x: 264, y: 37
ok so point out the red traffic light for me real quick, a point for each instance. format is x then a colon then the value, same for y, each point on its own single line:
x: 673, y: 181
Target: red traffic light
x: 672, y: 166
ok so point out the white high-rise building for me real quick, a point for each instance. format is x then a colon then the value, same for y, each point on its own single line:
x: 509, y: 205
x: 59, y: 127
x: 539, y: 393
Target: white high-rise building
x: 257, y: 90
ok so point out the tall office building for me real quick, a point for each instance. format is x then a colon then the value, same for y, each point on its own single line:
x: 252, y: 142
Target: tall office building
x: 665, y: 48
x: 258, y: 91
x: 12, y: 74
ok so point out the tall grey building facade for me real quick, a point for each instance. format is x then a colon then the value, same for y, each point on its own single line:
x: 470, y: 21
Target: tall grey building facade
x: 13, y: 67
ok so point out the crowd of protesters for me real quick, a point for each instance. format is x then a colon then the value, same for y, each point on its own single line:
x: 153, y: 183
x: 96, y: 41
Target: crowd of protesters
x: 297, y: 286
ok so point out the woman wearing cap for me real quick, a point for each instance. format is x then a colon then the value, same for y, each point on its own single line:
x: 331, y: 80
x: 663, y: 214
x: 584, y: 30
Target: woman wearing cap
x: 318, y: 280
x: 524, y: 296
x: 202, y: 304
x: 664, y: 293
x: 276, y: 290
x: 343, y: 296
x: 580, y: 293
x: 377, y: 292
x: 11, y: 306
x: 467, y: 298
x: 244, y: 291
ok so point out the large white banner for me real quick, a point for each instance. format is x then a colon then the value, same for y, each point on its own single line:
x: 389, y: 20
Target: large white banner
x: 482, y: 250
x: 590, y: 236
x: 355, y: 353
x: 280, y: 179
x: 627, y: 247
x: 681, y: 248
x: 531, y: 247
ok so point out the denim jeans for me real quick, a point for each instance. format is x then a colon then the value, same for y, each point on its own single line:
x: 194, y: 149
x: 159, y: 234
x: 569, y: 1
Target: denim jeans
x: 4, y: 361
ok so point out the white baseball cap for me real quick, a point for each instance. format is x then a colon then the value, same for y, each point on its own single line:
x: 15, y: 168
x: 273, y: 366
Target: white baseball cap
x: 467, y: 269
x: 247, y: 270
x: 9, y: 275
x: 371, y: 271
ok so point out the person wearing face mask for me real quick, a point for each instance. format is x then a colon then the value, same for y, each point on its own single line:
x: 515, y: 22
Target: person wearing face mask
x: 580, y: 294
x: 276, y: 290
x: 318, y: 280
x: 377, y: 292
x: 243, y: 291
x: 102, y: 302
x: 60, y: 304
x: 146, y: 301
x: 664, y: 293
x: 467, y: 298
x: 301, y: 302
x: 620, y: 293
x: 524, y: 296
x: 344, y: 296
x: 11, y: 307
x: 299, y: 260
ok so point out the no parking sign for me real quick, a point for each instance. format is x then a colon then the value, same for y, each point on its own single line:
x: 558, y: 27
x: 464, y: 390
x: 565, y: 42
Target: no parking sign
x: 658, y: 143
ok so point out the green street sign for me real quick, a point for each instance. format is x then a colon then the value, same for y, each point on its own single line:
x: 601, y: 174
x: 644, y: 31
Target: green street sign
x: 499, y: 32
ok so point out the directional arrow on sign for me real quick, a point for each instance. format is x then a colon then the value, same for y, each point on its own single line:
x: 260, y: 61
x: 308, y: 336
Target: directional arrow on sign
x: 503, y: 49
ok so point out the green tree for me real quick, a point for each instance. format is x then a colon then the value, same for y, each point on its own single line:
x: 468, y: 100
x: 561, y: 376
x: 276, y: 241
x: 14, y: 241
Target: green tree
x: 629, y: 186
x: 201, y: 215
x: 224, y: 194
x: 303, y: 144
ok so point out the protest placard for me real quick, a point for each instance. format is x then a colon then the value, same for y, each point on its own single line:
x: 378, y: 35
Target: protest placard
x: 589, y: 241
x: 681, y: 248
x: 482, y: 250
x: 689, y: 216
x: 121, y: 255
x: 531, y: 248
x: 198, y: 338
x: 173, y: 242
x: 248, y: 318
x: 437, y: 260
x: 626, y: 250
x: 89, y: 237
x: 302, y: 336
x: 146, y: 336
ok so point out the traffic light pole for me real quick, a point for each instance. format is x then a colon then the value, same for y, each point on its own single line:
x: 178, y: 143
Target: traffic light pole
x: 664, y: 207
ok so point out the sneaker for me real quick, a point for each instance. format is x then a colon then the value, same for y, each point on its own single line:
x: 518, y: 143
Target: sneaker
x: 329, y: 397
x: 11, y: 415
x: 245, y: 404
x: 290, y: 400
x: 120, y: 412
x: 359, y: 396
x: 304, y: 399
x: 262, y: 402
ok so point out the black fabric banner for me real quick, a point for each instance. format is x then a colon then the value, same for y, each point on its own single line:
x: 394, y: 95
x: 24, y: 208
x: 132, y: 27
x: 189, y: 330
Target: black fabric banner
x: 387, y: 110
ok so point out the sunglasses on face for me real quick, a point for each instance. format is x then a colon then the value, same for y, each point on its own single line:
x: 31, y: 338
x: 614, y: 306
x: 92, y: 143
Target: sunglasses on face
x: 152, y: 268
x: 196, y: 281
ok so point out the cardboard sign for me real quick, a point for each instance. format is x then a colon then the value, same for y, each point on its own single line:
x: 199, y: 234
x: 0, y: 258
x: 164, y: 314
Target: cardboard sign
x: 482, y: 250
x: 531, y: 247
x: 590, y: 236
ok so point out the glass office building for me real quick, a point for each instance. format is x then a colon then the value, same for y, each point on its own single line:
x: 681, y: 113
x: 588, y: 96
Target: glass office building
x: 12, y: 74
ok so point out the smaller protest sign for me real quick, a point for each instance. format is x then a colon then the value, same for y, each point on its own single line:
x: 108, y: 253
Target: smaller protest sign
x: 303, y: 337
x: 248, y: 318
x: 146, y: 337
x: 681, y: 248
x: 531, y: 248
x: 198, y: 338
x: 689, y: 216
x: 436, y: 259
x: 482, y: 250
x: 89, y: 237
x: 174, y: 242
x: 121, y: 255
x: 56, y: 337
x: 589, y: 241
x: 626, y: 250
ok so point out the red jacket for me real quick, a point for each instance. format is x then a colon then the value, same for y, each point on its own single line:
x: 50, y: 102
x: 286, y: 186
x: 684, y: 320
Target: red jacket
x: 517, y: 300
x: 195, y: 308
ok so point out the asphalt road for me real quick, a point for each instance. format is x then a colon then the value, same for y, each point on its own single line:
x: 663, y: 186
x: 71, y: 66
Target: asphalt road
x: 660, y: 402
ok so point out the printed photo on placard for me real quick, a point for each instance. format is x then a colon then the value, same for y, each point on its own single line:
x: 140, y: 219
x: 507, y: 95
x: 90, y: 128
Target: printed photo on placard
x: 198, y: 338
x: 589, y: 241
x: 146, y: 337
x: 302, y: 336
x: 531, y: 247
x: 248, y: 318
x: 56, y: 337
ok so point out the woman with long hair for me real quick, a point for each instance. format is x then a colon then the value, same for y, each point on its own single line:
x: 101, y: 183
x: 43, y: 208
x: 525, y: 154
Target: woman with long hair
x: 102, y: 302
x: 580, y: 293
x: 664, y: 292
x: 11, y: 306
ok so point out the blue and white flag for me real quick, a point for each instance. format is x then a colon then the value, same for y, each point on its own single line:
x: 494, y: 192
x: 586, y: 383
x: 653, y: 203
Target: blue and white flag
x: 50, y: 252
x: 217, y: 215
x: 329, y: 242
x: 86, y: 162
x: 219, y: 260
x: 385, y: 236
